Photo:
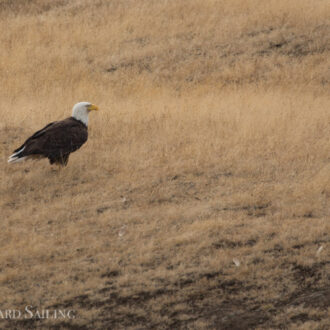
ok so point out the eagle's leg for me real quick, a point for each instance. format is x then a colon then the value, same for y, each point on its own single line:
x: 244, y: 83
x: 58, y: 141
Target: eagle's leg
x: 56, y: 168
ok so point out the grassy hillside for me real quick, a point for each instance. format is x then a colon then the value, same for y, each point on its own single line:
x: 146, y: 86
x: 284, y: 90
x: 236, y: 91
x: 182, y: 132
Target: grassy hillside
x: 202, y: 197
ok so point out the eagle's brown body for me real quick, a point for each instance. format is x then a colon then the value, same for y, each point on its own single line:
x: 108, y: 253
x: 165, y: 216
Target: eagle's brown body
x: 55, y: 141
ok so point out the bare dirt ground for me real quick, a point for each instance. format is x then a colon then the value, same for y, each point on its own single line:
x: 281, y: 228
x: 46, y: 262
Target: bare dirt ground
x: 202, y: 197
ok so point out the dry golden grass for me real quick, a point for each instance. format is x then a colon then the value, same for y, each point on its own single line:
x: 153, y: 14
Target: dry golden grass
x: 202, y: 197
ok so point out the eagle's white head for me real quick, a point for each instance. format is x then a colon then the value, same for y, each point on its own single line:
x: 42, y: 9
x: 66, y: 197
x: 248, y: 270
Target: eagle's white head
x: 80, y: 111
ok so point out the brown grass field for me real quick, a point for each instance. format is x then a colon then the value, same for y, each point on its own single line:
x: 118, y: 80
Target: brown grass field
x: 202, y: 197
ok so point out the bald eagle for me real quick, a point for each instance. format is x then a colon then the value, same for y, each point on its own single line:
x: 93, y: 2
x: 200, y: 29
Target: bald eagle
x: 58, y: 139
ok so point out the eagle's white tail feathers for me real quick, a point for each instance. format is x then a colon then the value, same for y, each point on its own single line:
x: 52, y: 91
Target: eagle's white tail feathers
x: 17, y: 159
x: 17, y: 152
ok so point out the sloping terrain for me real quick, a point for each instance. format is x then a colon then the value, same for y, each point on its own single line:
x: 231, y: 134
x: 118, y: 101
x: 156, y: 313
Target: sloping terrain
x: 202, y: 197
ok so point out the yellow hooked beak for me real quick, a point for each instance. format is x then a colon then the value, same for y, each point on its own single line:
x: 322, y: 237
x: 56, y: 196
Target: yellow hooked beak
x: 92, y: 107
